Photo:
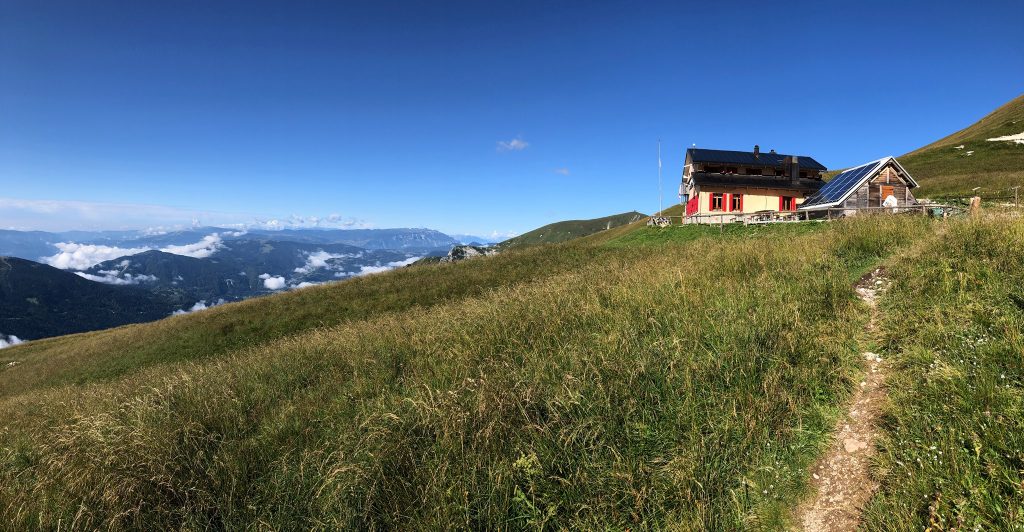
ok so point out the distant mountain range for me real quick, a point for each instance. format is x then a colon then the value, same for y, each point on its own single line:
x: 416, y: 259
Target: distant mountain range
x: 60, y: 283
x: 37, y: 245
x: 244, y: 268
x: 37, y: 301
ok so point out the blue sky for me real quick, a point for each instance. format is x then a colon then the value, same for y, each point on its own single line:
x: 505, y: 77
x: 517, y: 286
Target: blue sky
x: 393, y: 114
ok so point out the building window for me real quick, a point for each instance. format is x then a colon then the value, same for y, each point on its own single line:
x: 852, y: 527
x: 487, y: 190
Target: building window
x: 787, y: 203
x: 736, y: 202
x: 753, y: 171
x: 731, y: 170
x: 717, y: 201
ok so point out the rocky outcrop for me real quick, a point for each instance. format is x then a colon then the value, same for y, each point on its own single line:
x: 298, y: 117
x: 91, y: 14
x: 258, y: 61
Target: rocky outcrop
x: 468, y: 252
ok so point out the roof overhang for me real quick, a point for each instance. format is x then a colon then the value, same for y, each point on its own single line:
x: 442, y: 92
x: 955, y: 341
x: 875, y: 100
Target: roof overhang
x: 714, y: 179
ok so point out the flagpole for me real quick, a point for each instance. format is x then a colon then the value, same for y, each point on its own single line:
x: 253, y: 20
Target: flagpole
x: 661, y: 202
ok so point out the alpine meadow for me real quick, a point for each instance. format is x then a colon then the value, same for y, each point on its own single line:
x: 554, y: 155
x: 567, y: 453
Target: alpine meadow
x: 619, y: 390
x: 511, y: 266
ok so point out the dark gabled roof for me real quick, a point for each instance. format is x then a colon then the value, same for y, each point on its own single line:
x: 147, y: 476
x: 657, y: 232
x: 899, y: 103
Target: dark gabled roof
x: 705, y: 179
x: 843, y: 184
x: 700, y: 155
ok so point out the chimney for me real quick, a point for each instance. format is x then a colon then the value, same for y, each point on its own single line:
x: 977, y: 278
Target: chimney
x: 757, y: 151
x: 772, y: 151
x: 794, y: 165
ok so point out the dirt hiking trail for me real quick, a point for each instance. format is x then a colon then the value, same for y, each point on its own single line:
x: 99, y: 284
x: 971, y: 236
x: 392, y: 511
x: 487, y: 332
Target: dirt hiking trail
x: 842, y: 478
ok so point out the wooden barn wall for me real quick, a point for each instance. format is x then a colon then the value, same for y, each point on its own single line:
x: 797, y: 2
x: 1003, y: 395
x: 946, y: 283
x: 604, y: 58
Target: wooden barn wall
x: 870, y: 193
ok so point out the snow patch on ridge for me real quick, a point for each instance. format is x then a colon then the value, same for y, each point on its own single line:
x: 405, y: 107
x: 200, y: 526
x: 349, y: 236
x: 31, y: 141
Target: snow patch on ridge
x: 1016, y: 139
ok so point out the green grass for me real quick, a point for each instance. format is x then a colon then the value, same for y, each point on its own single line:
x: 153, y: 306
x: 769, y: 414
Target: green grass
x: 106, y: 354
x: 953, y: 454
x: 943, y: 170
x: 678, y: 384
x: 570, y: 229
x: 678, y: 234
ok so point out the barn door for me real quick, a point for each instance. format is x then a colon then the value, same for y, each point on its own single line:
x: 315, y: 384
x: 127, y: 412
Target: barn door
x: 887, y: 190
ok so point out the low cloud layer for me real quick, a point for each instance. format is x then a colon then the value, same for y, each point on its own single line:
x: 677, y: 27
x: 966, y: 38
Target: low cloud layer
x: 117, y: 277
x: 502, y: 235
x: 200, y: 250
x: 368, y: 270
x: 320, y: 259
x: 60, y: 215
x: 8, y: 341
x: 273, y: 282
x: 73, y: 256
x: 200, y: 305
x: 295, y: 221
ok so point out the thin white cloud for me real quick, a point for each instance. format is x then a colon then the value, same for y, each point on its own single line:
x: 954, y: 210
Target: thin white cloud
x: 272, y: 282
x: 320, y: 260
x: 200, y: 305
x: 368, y: 270
x: 8, y: 341
x: 503, y: 235
x: 73, y: 256
x: 516, y: 144
x: 62, y: 215
x: 199, y: 250
x: 563, y: 171
x: 295, y: 221
x: 117, y: 277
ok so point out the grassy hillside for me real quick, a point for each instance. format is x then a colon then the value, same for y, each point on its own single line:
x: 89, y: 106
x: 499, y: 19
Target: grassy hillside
x: 570, y: 229
x: 106, y: 354
x: 953, y: 455
x: 37, y: 300
x: 649, y: 378
x: 944, y: 169
x: 624, y: 388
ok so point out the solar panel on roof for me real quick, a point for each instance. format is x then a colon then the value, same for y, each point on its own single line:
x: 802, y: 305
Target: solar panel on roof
x: 838, y: 187
x: 741, y: 157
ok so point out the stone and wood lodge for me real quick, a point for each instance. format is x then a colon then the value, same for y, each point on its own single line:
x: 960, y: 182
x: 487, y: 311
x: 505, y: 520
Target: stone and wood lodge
x: 721, y: 186
x: 731, y: 183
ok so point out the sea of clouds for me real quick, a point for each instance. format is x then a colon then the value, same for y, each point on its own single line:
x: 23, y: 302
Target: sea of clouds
x: 74, y: 256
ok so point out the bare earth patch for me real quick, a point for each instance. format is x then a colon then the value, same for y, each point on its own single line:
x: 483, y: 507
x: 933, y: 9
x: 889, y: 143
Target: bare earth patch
x: 842, y: 478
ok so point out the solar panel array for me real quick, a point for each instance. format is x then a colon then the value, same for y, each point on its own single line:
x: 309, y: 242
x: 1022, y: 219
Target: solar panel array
x: 835, y: 189
x: 747, y: 158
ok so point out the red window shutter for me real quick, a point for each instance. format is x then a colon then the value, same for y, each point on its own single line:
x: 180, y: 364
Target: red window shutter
x: 741, y: 201
x: 711, y: 202
x: 780, y: 203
